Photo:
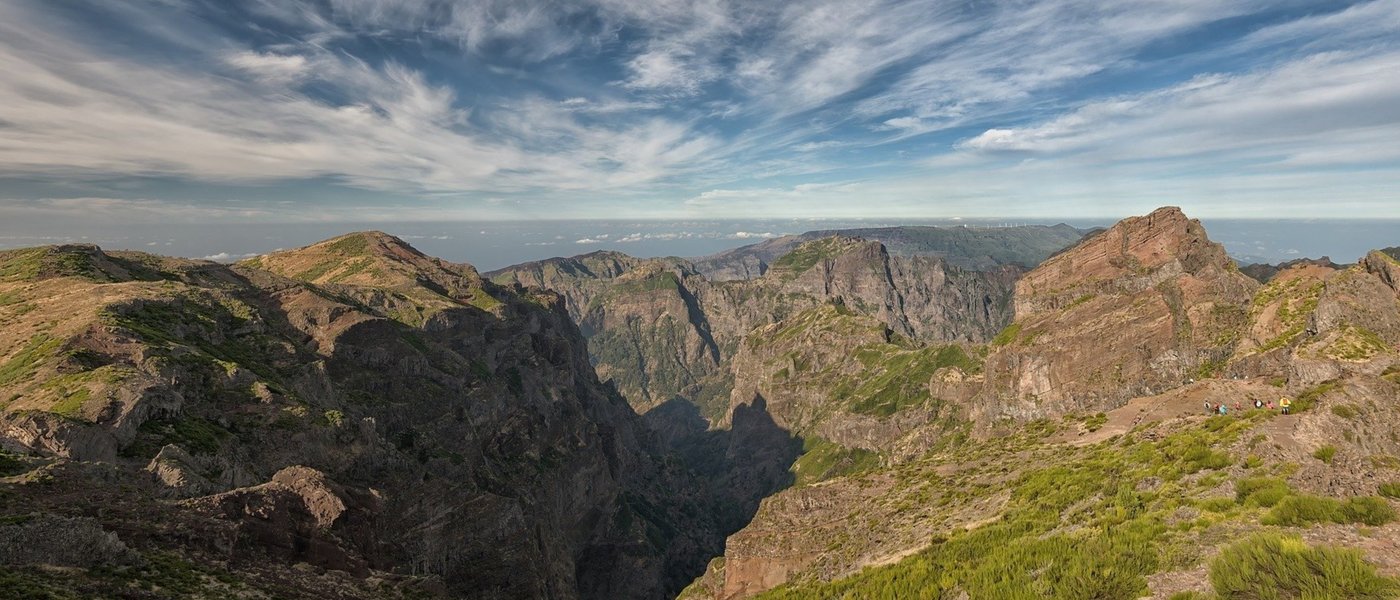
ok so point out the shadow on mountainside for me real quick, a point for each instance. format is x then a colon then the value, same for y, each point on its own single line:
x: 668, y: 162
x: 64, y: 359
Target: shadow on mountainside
x: 739, y: 466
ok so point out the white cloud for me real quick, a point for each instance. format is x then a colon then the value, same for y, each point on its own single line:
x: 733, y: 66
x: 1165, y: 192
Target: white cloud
x: 1306, y: 111
x: 274, y: 68
x: 227, y: 257
x: 71, y: 111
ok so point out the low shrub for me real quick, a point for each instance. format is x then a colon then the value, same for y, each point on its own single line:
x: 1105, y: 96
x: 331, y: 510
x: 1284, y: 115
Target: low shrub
x: 1261, y: 491
x: 1368, y: 510
x: 1325, y: 454
x: 1267, y: 566
x: 1390, y: 490
x: 1303, y: 510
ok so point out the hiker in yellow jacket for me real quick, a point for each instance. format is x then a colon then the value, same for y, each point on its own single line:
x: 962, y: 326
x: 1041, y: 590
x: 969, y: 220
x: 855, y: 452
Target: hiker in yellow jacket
x: 1284, y: 403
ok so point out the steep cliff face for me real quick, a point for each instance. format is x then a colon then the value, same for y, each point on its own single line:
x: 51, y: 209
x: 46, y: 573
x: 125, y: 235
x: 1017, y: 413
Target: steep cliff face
x: 353, y: 405
x: 660, y: 330
x: 968, y: 248
x: 830, y: 374
x: 1146, y: 305
x: 1146, y: 322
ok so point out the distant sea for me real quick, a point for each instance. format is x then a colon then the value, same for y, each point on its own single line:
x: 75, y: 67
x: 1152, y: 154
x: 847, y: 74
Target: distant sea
x: 495, y: 244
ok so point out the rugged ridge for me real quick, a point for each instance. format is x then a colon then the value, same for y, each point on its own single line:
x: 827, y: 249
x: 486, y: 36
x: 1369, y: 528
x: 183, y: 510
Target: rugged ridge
x: 1143, y: 306
x: 660, y: 329
x: 968, y: 248
x: 1000, y: 460
x: 392, y: 419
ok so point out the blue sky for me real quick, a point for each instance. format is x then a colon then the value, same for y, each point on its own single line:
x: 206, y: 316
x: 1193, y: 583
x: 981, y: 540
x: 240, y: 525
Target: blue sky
x: 201, y: 111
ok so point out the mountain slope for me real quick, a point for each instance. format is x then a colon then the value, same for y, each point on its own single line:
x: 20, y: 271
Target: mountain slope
x: 975, y: 249
x: 394, y: 421
x: 659, y: 329
x: 1015, y: 488
x: 1146, y: 305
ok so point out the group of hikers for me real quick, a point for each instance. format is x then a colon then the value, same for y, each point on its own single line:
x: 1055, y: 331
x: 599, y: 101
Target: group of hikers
x: 1221, y: 409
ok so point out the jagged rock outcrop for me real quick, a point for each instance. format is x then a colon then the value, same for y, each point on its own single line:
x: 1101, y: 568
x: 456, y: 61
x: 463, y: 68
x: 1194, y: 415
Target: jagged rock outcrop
x: 354, y: 405
x: 1144, y: 306
x: 1262, y: 272
x: 659, y: 329
x: 43, y: 539
x: 1122, y: 323
x: 968, y: 248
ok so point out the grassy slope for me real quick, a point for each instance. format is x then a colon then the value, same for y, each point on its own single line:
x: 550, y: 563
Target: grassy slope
x: 1095, y: 522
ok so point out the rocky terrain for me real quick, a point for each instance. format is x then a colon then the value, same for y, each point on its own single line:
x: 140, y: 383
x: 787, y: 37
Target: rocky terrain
x: 1078, y: 431
x: 970, y: 248
x: 663, y: 329
x: 351, y: 416
x: 819, y: 418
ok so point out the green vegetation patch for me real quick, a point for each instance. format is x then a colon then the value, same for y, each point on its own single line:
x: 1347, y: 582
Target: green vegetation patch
x: 350, y: 245
x: 195, y: 435
x: 1345, y: 411
x: 26, y: 362
x: 10, y: 298
x: 1296, y: 301
x: 822, y: 459
x: 1308, y: 399
x: 1095, y: 422
x: 807, y: 255
x: 197, y: 321
x: 663, y: 280
x: 1303, y: 509
x: 899, y: 378
x: 1325, y: 454
x: 11, y: 465
x: 1261, y: 491
x: 1356, y: 344
x: 1390, y: 490
x: 1273, y: 566
x: 1084, y: 528
x: 27, y: 264
x: 1007, y: 335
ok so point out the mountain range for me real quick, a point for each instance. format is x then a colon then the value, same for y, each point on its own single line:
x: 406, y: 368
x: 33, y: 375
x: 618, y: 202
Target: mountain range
x: 877, y: 413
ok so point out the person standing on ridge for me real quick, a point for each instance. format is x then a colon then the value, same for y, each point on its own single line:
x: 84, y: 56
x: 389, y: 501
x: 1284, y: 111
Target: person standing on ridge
x: 1285, y: 403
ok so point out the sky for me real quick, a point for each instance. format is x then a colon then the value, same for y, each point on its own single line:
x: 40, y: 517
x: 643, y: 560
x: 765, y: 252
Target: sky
x: 170, y: 112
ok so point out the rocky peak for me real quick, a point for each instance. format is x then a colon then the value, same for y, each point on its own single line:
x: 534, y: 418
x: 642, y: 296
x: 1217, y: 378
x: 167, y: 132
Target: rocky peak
x: 1134, y: 254
x: 360, y: 258
x: 1384, y: 264
x: 1145, y: 305
x: 63, y: 260
x: 1264, y: 273
x: 823, y: 253
x: 386, y: 273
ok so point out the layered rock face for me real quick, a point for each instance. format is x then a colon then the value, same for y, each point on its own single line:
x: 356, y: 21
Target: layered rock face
x: 1144, y: 321
x: 660, y: 329
x: 968, y: 248
x: 353, y: 405
x: 1146, y: 305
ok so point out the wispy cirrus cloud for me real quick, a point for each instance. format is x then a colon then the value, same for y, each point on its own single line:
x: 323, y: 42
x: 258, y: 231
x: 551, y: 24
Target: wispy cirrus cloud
x: 694, y: 106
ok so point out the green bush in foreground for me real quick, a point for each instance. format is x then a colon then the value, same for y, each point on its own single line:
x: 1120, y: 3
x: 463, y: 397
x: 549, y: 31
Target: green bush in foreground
x: 1368, y: 510
x: 1275, y: 567
x: 1261, y: 491
x: 1305, y: 510
x: 1326, y: 454
x: 1390, y: 490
